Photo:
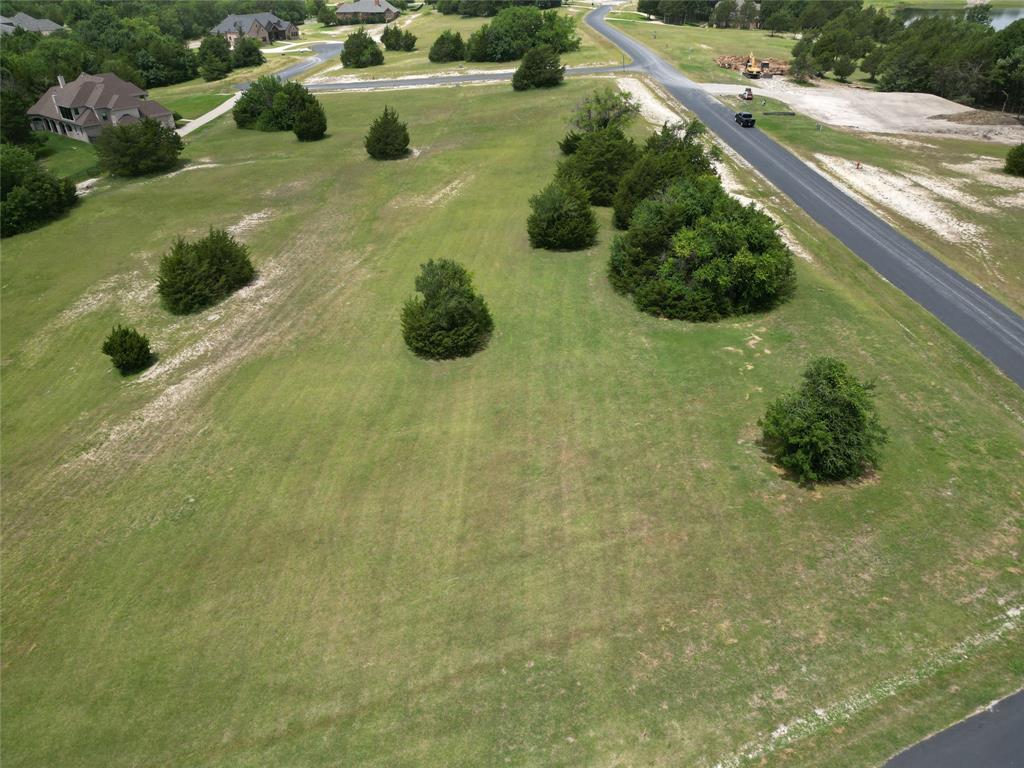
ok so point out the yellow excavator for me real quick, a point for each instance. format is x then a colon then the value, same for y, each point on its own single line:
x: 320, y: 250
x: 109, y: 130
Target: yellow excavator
x: 753, y: 68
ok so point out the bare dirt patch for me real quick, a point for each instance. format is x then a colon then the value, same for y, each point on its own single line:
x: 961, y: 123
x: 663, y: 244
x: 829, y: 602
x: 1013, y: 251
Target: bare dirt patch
x: 250, y: 222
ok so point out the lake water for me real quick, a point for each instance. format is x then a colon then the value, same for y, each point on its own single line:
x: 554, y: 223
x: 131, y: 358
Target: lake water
x: 1001, y: 17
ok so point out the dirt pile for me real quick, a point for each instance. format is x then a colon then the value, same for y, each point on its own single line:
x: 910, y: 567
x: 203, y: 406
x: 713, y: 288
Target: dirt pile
x: 775, y: 66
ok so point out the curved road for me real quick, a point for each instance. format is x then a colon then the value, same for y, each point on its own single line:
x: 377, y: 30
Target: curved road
x: 987, y: 325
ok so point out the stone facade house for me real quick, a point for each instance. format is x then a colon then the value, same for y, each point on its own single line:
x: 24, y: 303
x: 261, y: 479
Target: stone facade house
x: 265, y: 27
x: 87, y: 105
x: 367, y: 12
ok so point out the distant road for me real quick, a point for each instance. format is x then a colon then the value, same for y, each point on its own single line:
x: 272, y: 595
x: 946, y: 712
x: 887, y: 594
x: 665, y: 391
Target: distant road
x: 987, y: 325
x: 991, y: 739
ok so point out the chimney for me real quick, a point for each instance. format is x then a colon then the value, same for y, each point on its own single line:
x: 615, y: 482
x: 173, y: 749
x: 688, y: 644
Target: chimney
x: 60, y: 79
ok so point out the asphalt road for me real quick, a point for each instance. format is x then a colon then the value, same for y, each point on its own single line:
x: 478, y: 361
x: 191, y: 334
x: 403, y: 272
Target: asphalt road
x: 987, y: 325
x: 991, y: 739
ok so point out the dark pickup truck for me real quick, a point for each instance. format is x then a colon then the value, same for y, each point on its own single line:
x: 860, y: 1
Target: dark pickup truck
x: 745, y: 119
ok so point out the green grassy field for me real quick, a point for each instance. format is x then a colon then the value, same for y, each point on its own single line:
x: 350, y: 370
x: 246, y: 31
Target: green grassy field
x: 694, y: 49
x: 193, y: 105
x: 293, y: 543
x: 68, y: 158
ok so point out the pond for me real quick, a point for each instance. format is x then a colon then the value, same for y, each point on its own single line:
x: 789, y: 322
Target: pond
x: 1001, y: 17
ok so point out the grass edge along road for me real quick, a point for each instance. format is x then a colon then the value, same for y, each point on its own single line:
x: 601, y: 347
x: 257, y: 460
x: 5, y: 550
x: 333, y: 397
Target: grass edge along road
x: 294, y: 540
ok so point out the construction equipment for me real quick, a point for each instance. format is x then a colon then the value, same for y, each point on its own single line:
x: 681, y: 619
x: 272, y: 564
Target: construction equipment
x: 747, y: 95
x: 752, y: 68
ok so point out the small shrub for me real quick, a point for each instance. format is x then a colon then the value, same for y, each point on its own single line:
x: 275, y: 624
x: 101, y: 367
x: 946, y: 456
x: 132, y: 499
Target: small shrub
x: 540, y: 68
x: 196, y: 275
x: 561, y: 217
x: 247, y: 53
x: 600, y: 160
x: 138, y: 148
x: 448, y: 47
x: 395, y: 39
x: 448, y: 319
x: 828, y: 429
x: 388, y: 138
x: 361, y: 51
x: 128, y: 350
x: 1015, y: 161
x: 570, y: 143
x: 310, y: 122
x: 30, y: 195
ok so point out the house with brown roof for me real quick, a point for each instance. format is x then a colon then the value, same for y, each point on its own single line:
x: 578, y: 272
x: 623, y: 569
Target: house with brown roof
x: 24, y: 21
x: 87, y: 105
x: 265, y: 27
x: 367, y: 12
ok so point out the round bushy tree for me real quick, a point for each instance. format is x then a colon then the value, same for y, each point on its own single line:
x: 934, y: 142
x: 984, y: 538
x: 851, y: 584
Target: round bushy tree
x: 828, y: 429
x: 310, y: 122
x: 361, y: 51
x: 138, y: 148
x: 388, y: 138
x: 395, y: 39
x: 1015, y: 161
x: 196, y: 275
x: 247, y: 53
x: 540, y: 68
x: 214, y: 57
x: 561, y: 217
x: 448, y: 319
x: 257, y: 99
x: 30, y: 195
x: 449, y: 46
x: 600, y: 160
x: 128, y: 350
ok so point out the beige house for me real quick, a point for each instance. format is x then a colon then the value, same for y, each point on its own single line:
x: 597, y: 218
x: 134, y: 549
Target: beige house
x: 265, y: 27
x: 367, y: 12
x: 87, y: 105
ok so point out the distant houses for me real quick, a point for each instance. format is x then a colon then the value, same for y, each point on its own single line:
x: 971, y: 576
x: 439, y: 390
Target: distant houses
x: 27, y: 23
x: 83, y: 108
x: 265, y: 27
x: 367, y: 12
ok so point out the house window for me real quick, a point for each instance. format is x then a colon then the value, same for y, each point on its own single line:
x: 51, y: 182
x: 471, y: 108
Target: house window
x: 66, y: 113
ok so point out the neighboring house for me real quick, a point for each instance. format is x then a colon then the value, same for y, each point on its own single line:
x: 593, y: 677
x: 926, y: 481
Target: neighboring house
x: 27, y: 23
x: 367, y: 12
x: 82, y: 108
x: 265, y: 27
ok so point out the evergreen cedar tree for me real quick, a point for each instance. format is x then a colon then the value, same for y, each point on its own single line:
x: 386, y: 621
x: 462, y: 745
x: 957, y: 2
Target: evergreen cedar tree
x: 828, y: 429
x: 561, y: 217
x: 448, y: 47
x: 599, y: 162
x: 361, y: 51
x: 694, y: 253
x: 310, y: 122
x: 395, y: 39
x: 515, y: 30
x: 196, y: 275
x: 388, y: 138
x: 214, y: 57
x: 30, y: 195
x: 665, y: 157
x: 128, y: 350
x: 138, y: 148
x: 1015, y: 161
x: 448, y: 319
x: 270, y: 105
x: 570, y: 143
x: 540, y: 68
x: 247, y: 53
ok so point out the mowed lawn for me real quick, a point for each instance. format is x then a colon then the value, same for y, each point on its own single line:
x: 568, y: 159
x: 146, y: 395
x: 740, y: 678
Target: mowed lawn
x: 293, y: 543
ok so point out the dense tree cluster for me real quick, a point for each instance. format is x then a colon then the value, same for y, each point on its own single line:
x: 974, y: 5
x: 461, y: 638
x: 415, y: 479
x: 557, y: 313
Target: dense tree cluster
x: 601, y: 159
x: 561, y: 218
x: 449, y: 46
x: 270, y: 105
x: 214, y: 57
x: 489, y: 7
x: 196, y: 275
x: 395, y: 39
x: 142, y: 41
x: 448, y: 319
x: 135, y: 149
x: 694, y: 253
x: 1015, y: 161
x: 514, y: 31
x: 127, y: 349
x: 540, y: 68
x: 29, y: 194
x: 388, y: 137
x: 828, y: 429
x: 361, y: 51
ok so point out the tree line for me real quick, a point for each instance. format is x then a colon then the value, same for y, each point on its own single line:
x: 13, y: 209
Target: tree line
x: 489, y: 7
